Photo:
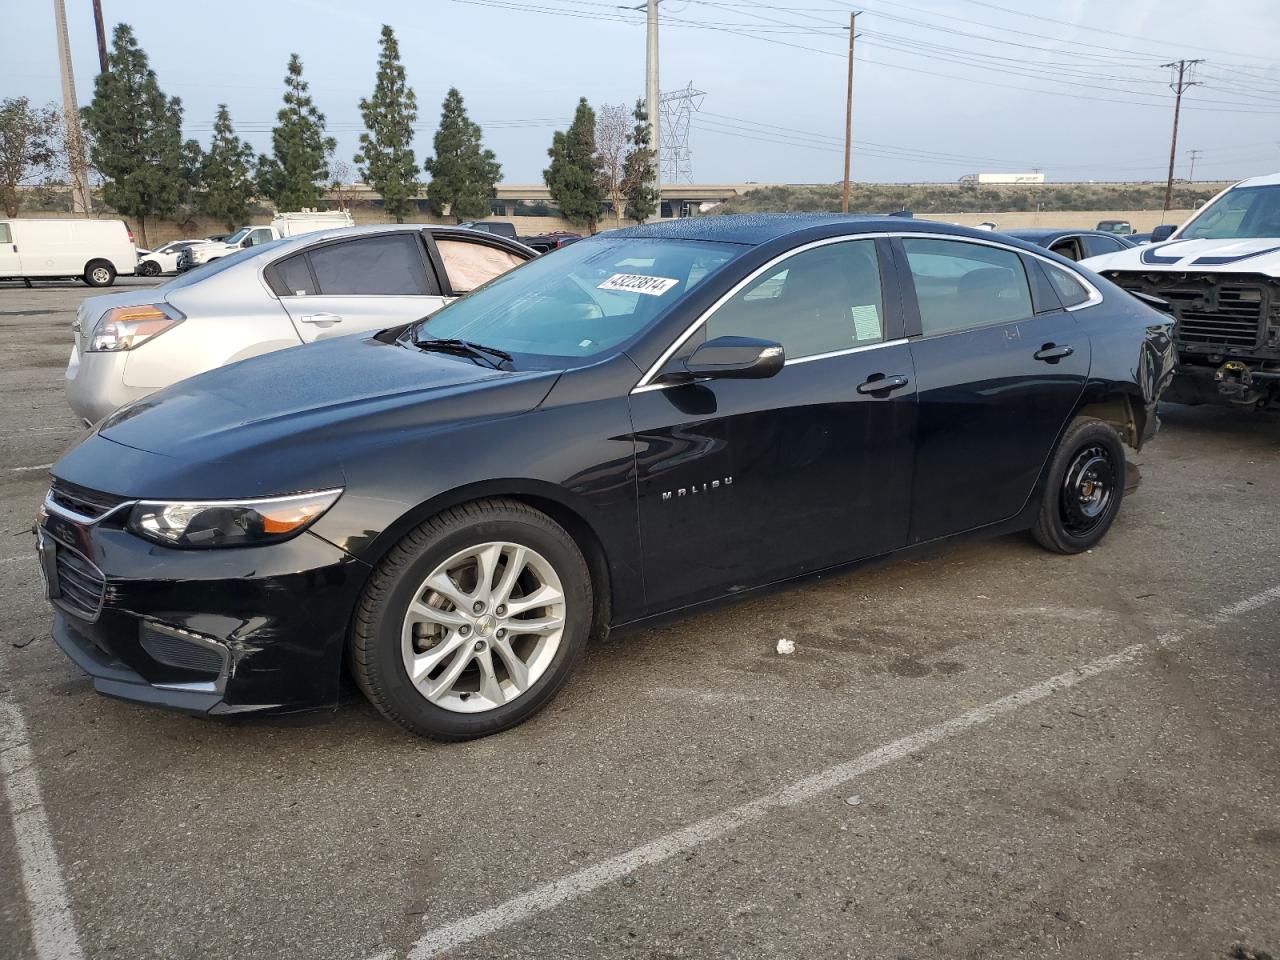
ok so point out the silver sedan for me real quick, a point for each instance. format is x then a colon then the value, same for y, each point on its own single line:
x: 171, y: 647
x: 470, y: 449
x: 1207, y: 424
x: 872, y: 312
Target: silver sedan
x: 272, y: 296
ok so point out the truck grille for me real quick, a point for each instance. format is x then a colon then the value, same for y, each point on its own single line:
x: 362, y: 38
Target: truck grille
x: 81, y: 585
x: 1216, y: 312
x: 81, y: 500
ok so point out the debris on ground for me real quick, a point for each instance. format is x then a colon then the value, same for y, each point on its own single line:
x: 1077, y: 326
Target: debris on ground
x: 854, y: 801
x: 786, y: 646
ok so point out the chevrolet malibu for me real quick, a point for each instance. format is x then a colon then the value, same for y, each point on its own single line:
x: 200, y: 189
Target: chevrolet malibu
x: 651, y: 420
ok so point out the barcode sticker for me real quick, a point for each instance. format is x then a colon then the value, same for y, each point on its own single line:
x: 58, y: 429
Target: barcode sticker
x: 866, y: 322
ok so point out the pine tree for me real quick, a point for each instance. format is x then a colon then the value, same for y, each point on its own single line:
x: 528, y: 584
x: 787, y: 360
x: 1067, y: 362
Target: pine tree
x: 575, y: 173
x: 226, y: 174
x: 292, y: 175
x: 639, y: 172
x: 136, y: 135
x: 463, y: 173
x: 388, y: 162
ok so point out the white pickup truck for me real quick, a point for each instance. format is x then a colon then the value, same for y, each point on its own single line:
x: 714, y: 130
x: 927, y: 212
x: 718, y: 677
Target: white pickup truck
x: 284, y: 225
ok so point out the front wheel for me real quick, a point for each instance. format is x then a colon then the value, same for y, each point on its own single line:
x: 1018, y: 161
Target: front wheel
x: 149, y: 268
x: 1084, y: 488
x: 473, y: 622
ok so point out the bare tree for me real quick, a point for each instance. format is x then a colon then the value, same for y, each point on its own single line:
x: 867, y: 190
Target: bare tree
x: 613, y: 142
x: 28, y: 144
x: 340, y: 187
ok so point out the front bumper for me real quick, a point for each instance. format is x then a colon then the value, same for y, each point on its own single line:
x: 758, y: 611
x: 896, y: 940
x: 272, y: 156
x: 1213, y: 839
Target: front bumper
x: 206, y: 631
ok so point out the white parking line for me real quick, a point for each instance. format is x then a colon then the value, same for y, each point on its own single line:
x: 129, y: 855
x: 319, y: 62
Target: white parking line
x: 53, y: 930
x: 552, y: 894
x: 38, y: 466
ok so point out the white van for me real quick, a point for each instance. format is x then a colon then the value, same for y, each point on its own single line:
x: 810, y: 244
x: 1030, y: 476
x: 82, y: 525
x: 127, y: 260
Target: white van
x: 95, y: 251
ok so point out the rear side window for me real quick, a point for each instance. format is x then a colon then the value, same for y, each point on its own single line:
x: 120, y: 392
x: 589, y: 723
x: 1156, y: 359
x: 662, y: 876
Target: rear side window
x: 1096, y: 246
x: 1070, y: 290
x: 821, y: 300
x: 962, y: 285
x: 471, y: 264
x: 372, y: 266
x: 5, y: 235
x: 292, y: 277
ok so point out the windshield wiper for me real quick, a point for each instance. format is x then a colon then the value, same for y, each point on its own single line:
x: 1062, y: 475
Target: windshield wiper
x: 464, y: 348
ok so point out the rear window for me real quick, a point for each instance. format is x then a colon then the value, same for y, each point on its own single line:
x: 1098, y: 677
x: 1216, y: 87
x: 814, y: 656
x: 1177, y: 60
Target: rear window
x: 371, y: 266
x: 962, y: 285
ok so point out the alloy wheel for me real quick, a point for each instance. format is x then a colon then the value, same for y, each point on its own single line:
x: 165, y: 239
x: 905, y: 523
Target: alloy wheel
x: 101, y: 275
x: 1088, y: 489
x: 483, y: 627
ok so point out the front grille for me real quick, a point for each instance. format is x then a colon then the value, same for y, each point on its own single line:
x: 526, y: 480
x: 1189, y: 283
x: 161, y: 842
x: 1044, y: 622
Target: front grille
x: 1236, y: 320
x: 81, y: 500
x: 176, y: 651
x: 81, y: 585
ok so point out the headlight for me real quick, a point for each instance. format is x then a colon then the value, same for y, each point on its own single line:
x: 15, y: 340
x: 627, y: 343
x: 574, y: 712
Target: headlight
x: 123, y: 328
x: 229, y: 523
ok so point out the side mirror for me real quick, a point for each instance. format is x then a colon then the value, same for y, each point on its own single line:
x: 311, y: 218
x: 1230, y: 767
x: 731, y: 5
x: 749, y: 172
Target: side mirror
x: 739, y: 358
x: 1162, y: 232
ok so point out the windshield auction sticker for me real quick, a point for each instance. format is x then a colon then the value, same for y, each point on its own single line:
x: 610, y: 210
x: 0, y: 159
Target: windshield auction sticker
x: 638, y: 283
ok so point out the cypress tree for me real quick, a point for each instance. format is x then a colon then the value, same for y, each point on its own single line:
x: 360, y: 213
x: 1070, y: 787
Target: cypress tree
x: 226, y: 175
x: 574, y: 176
x: 639, y: 172
x: 136, y: 135
x: 463, y: 173
x: 291, y: 176
x: 388, y: 162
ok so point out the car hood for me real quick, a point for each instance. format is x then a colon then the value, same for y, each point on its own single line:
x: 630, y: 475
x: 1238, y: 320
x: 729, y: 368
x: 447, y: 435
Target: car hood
x: 287, y: 420
x: 1251, y: 255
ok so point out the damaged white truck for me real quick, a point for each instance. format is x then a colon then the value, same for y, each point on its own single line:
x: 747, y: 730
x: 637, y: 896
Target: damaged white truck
x: 1220, y: 272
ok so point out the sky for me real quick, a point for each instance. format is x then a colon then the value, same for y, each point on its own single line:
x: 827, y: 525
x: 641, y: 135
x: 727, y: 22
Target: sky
x: 942, y: 88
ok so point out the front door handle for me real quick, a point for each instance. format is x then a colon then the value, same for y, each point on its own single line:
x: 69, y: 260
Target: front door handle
x: 321, y: 319
x: 879, y: 383
x: 1052, y: 352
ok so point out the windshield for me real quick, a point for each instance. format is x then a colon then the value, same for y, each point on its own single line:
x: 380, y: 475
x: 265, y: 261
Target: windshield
x: 1239, y: 213
x: 237, y: 236
x: 581, y: 301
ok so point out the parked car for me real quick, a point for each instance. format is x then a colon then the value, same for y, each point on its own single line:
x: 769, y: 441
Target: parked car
x: 1119, y: 227
x: 1073, y: 244
x: 544, y: 242
x: 651, y: 419
x: 95, y: 251
x: 499, y: 227
x: 291, y: 291
x: 152, y: 263
x: 283, y: 225
x: 1221, y: 272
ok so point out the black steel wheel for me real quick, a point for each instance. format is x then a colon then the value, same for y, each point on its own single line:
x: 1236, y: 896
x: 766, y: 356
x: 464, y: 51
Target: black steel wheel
x: 1083, y: 489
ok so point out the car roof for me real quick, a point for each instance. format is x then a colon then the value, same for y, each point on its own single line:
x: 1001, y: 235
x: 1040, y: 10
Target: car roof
x: 1268, y: 180
x: 337, y: 233
x: 754, y: 229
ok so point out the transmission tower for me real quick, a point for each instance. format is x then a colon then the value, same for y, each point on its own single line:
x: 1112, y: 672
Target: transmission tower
x: 676, y: 109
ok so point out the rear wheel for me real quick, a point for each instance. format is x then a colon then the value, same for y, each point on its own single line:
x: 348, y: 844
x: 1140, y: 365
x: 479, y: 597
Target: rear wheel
x: 99, y: 273
x: 473, y: 622
x: 1084, y: 488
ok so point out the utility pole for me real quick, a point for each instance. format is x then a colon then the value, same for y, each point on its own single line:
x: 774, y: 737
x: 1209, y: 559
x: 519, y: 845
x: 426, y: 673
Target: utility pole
x: 1195, y: 155
x: 1180, y: 81
x: 71, y: 114
x: 848, y: 119
x: 651, y: 96
x: 102, y: 35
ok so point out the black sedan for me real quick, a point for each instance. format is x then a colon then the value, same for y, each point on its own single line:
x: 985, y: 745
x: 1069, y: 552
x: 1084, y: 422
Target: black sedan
x: 650, y: 420
x: 1073, y: 244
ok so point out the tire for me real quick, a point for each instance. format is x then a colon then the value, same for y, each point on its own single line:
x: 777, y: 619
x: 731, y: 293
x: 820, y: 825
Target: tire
x: 99, y: 273
x: 149, y: 268
x: 456, y: 697
x: 1084, y: 488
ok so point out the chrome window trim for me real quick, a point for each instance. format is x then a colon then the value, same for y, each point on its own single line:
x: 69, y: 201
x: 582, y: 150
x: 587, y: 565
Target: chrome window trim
x: 840, y: 353
x: 646, y: 384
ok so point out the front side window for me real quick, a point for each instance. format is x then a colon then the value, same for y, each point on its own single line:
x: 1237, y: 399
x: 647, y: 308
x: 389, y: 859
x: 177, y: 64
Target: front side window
x: 5, y: 235
x: 471, y: 264
x: 257, y: 237
x: 962, y: 285
x: 386, y: 265
x: 586, y: 300
x: 821, y: 300
x: 1096, y: 246
x: 1240, y: 213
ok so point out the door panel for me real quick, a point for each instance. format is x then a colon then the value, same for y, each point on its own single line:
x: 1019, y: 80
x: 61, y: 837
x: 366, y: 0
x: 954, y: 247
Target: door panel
x: 742, y: 482
x: 990, y: 411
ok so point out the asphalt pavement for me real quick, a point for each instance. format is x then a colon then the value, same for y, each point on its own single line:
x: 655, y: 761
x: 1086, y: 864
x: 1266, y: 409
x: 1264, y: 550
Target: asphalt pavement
x: 988, y: 752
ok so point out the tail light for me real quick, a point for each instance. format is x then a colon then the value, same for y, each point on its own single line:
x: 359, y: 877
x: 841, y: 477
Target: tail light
x: 123, y: 328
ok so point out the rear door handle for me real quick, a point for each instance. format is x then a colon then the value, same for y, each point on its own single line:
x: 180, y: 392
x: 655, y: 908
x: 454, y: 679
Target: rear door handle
x: 879, y: 383
x: 1052, y: 352
x: 321, y: 319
